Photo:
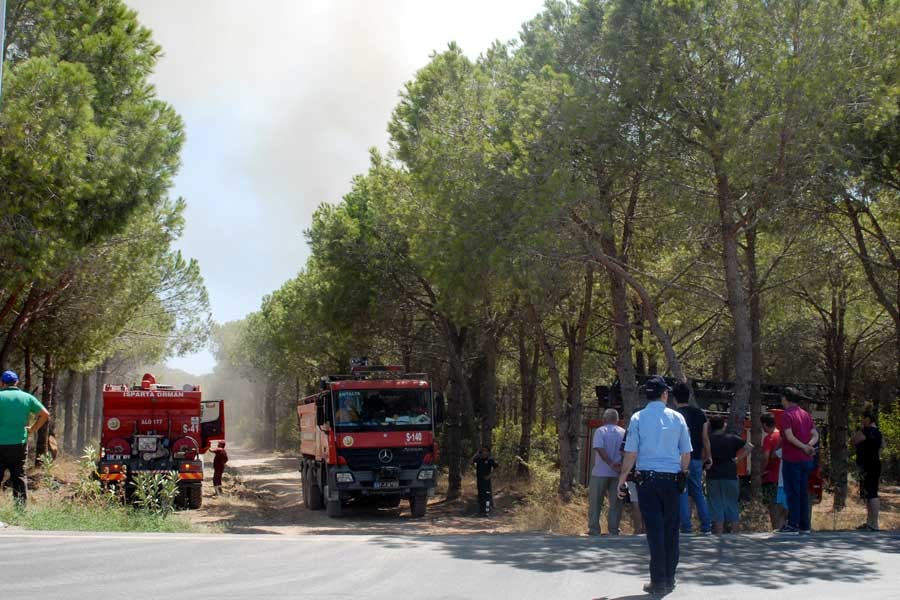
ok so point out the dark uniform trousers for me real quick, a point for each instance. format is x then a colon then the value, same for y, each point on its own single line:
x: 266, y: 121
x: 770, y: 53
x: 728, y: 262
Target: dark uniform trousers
x: 12, y: 457
x: 484, y: 495
x: 659, y: 500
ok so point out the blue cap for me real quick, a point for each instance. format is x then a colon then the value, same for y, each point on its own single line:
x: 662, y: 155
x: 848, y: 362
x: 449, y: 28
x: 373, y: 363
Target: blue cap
x: 655, y: 386
x: 9, y: 377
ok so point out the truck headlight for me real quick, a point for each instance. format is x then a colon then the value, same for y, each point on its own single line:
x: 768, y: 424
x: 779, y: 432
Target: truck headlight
x: 344, y: 477
x: 426, y: 474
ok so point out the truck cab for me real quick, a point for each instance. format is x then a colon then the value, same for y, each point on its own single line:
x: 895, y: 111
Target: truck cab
x: 369, y: 434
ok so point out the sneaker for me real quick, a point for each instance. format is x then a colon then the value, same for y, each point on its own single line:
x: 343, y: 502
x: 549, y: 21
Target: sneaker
x: 805, y: 532
x: 656, y: 589
x: 866, y: 527
x: 787, y: 530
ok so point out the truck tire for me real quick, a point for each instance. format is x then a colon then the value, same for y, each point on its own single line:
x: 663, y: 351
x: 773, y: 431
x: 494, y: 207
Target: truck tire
x: 418, y: 505
x: 333, y: 508
x: 304, y: 485
x: 195, y: 497
x: 315, y: 496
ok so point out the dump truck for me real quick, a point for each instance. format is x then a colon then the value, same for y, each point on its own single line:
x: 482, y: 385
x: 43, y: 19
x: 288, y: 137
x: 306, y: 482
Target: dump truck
x: 155, y: 428
x: 369, y: 434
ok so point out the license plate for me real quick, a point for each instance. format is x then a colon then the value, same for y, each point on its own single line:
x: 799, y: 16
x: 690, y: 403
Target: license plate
x: 386, y: 484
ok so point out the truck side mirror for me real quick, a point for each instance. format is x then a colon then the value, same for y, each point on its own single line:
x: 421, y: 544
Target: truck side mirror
x: 438, y: 408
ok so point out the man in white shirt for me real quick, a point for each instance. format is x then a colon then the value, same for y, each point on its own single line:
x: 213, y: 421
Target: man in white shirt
x: 605, y: 474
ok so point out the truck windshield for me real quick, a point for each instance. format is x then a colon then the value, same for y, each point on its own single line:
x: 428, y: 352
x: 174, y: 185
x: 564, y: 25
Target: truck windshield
x: 383, y: 409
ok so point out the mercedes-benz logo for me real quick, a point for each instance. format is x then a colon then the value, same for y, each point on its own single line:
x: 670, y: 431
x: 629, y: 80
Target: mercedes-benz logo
x: 385, y: 456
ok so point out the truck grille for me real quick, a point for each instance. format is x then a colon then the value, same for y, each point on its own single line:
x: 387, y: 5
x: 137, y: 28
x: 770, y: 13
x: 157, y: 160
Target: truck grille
x: 366, y: 459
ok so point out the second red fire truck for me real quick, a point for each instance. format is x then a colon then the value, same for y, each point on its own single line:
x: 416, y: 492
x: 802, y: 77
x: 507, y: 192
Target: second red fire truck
x: 369, y: 434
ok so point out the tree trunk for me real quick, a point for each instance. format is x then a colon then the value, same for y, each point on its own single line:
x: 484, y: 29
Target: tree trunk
x: 568, y: 399
x: 28, y: 360
x: 756, y: 465
x: 737, y: 301
x: 67, y: 401
x: 83, y: 435
x: 96, y: 416
x: 529, y: 362
x: 488, y: 388
x: 839, y: 378
x: 459, y: 399
x: 622, y: 342
x: 640, y: 364
x: 48, y: 397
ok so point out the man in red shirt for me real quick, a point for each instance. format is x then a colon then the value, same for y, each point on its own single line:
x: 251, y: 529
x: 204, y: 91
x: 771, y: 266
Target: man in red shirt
x: 219, y: 466
x: 771, y: 465
x: 799, y: 438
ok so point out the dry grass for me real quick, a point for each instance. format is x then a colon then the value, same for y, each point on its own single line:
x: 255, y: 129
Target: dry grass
x: 854, y: 514
x: 534, y: 506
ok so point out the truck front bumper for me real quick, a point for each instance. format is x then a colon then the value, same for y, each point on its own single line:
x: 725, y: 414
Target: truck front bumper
x: 344, y: 482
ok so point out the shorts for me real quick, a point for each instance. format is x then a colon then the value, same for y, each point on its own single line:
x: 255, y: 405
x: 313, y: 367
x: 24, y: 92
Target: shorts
x: 868, y: 482
x: 769, y: 492
x: 781, y: 497
x: 723, y: 500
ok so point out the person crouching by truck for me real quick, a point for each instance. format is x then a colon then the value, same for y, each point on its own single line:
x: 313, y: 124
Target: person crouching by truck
x: 484, y: 466
x: 221, y: 458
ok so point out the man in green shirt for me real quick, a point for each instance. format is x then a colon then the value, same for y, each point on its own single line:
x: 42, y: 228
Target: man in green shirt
x: 16, y: 408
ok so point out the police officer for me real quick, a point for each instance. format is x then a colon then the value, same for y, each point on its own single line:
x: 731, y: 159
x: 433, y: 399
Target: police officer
x: 660, y: 443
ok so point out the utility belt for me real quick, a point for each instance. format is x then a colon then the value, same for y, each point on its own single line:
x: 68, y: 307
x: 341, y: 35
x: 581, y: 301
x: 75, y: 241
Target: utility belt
x: 679, y: 478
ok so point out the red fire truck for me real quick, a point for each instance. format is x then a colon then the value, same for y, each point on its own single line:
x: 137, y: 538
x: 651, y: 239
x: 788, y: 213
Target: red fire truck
x: 154, y: 428
x: 369, y: 434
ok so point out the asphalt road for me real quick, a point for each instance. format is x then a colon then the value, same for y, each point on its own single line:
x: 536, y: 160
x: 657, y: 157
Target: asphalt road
x: 48, y: 566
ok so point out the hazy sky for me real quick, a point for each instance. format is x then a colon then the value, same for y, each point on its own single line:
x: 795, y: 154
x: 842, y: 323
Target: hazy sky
x: 282, y: 100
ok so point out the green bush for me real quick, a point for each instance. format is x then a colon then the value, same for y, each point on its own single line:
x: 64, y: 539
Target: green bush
x: 544, y: 447
x: 155, y: 492
x: 889, y: 423
x: 287, y: 434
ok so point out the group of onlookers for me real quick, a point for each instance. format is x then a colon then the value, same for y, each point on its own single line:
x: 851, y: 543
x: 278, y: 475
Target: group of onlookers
x: 788, y: 458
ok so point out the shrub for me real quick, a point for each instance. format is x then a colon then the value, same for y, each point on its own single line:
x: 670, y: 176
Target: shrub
x: 544, y: 447
x: 155, y: 492
x: 287, y: 434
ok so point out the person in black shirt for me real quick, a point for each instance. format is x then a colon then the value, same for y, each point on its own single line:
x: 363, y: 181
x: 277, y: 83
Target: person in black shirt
x: 698, y: 426
x: 722, y: 482
x: 484, y: 466
x: 868, y: 458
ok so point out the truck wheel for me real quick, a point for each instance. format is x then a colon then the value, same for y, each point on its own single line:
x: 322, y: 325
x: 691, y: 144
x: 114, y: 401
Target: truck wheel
x: 418, y: 504
x: 333, y: 508
x: 315, y: 497
x: 304, y: 486
x: 195, y: 497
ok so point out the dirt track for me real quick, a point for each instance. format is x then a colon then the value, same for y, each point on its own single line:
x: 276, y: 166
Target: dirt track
x: 262, y: 495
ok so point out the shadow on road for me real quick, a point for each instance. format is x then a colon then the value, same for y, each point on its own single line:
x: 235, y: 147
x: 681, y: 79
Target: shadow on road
x: 766, y: 563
